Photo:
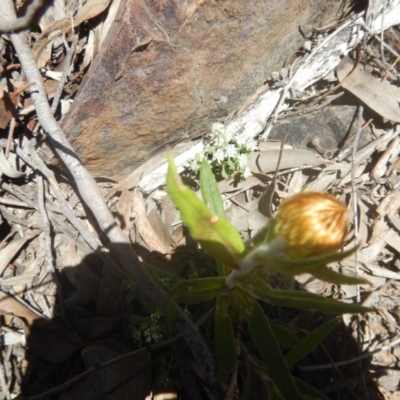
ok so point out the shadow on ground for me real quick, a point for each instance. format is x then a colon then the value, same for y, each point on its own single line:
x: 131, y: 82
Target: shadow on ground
x: 94, y: 325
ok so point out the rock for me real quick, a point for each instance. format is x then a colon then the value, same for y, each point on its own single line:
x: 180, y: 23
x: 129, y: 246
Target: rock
x: 169, y: 69
x: 333, y: 126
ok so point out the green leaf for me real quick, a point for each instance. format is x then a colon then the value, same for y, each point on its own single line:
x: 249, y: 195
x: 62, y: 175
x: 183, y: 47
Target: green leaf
x: 327, y: 275
x: 308, y: 391
x: 222, y: 269
x: 310, y: 342
x: 294, y: 266
x: 191, y: 292
x: 209, y: 190
x: 261, y: 290
x: 267, y: 345
x: 225, y: 348
x: 214, y: 233
x: 161, y: 276
x: 286, y: 337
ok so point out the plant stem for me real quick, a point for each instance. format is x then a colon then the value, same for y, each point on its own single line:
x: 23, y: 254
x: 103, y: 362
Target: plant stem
x: 253, y: 258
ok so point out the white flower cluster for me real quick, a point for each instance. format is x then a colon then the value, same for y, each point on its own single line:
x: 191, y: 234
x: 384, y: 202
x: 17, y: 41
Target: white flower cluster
x: 225, y: 154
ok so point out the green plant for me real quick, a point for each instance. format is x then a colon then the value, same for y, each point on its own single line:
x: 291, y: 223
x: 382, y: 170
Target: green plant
x: 290, y: 247
x: 225, y: 155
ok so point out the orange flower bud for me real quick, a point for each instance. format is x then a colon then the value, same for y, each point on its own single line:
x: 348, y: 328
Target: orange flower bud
x: 312, y: 223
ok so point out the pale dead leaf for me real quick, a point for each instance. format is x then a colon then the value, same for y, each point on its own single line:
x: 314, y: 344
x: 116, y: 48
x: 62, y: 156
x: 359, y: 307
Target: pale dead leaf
x: 296, y: 182
x: 11, y: 250
x: 124, y: 211
x: 392, y: 238
x: 90, y: 10
x: 10, y: 306
x: 381, y: 165
x: 231, y: 185
x: 143, y: 226
x: 42, y: 48
x: 106, y: 25
x: 382, y: 97
x: 378, y: 229
x: 390, y: 204
x: 266, y: 161
x: 90, y: 50
x: 158, y: 226
x: 322, y: 182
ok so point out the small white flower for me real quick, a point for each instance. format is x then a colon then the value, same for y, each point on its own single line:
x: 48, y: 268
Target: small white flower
x: 242, y: 161
x: 194, y: 165
x: 218, y: 129
x: 241, y: 140
x: 247, y: 173
x: 219, y: 156
x: 251, y: 145
x: 230, y: 151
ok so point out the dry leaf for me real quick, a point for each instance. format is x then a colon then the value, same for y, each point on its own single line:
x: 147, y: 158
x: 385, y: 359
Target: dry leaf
x: 382, y: 97
x: 392, y: 239
x: 10, y: 251
x: 266, y: 161
x: 10, y: 306
x: 124, y: 211
x: 143, y: 226
x: 90, y: 10
x: 381, y: 165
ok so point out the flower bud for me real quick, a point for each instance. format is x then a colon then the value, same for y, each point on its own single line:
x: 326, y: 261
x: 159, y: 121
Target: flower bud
x: 312, y: 223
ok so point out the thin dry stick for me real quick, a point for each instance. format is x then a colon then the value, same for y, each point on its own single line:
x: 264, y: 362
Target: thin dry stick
x: 354, y: 192
x: 25, y: 22
x: 356, y: 233
x: 37, y: 163
x: 64, y: 76
x: 46, y: 225
x: 3, y: 383
x: 94, y: 199
x: 353, y: 360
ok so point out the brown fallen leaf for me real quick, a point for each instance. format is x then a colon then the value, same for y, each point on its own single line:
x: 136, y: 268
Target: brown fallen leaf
x: 10, y: 306
x: 124, y: 211
x: 143, y: 226
x: 381, y: 97
x: 8, y: 103
x: 9, y: 252
x: 90, y: 10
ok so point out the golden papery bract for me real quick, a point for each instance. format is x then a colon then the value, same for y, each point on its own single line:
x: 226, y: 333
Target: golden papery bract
x: 312, y: 223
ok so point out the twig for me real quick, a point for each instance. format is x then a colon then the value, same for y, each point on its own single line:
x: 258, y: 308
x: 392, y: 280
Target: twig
x: 94, y: 199
x: 3, y: 383
x: 354, y: 192
x: 10, y: 136
x: 64, y: 76
x: 46, y: 225
x: 37, y: 163
x: 356, y: 222
x: 353, y: 360
x: 32, y: 12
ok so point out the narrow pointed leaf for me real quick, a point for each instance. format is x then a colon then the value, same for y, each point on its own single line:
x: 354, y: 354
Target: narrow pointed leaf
x: 214, y: 233
x: 310, y: 342
x: 296, y: 299
x: 327, y: 275
x: 225, y: 348
x: 310, y: 391
x: 286, y: 337
x: 267, y: 345
x: 209, y: 190
x: 191, y: 292
x: 293, y: 266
